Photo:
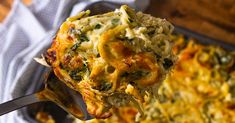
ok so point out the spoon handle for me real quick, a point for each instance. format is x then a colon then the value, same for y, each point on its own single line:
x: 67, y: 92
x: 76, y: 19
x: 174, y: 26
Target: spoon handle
x: 18, y: 103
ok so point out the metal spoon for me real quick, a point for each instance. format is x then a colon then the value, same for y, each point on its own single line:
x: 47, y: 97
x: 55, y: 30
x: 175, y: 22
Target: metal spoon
x: 55, y: 91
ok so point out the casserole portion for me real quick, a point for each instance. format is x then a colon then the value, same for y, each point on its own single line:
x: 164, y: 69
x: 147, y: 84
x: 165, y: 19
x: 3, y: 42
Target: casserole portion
x: 115, y: 59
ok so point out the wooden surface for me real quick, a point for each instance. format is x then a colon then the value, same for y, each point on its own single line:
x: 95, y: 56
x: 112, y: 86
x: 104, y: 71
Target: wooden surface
x: 214, y: 18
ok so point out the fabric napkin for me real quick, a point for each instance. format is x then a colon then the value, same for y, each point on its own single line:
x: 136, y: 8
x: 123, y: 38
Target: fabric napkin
x: 26, y: 33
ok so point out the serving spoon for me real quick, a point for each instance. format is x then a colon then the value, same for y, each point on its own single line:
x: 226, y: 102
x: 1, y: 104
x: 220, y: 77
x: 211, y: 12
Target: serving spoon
x: 54, y: 91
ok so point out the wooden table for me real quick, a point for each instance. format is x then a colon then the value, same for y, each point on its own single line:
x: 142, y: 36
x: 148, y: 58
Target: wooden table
x: 215, y: 20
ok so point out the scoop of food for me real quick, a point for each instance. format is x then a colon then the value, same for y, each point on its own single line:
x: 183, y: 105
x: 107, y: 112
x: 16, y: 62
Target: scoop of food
x: 115, y: 59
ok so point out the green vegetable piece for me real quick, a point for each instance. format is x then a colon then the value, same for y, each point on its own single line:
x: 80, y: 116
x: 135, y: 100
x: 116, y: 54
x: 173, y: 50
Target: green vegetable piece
x: 75, y: 46
x: 74, y: 75
x: 103, y: 86
x: 132, y: 16
x: 77, y: 74
x: 115, y: 21
x: 97, y: 26
x: 83, y: 38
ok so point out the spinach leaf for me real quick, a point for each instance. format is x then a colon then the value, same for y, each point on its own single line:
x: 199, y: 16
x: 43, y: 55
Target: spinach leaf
x: 83, y: 38
x: 74, y: 75
x: 115, y: 21
x: 103, y: 86
x: 78, y: 73
x: 75, y: 46
x: 98, y: 26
